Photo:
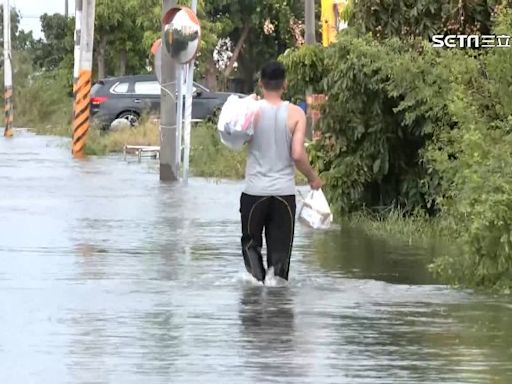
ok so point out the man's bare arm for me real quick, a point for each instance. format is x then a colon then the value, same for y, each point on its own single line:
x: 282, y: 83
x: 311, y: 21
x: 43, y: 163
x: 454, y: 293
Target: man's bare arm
x: 299, y: 155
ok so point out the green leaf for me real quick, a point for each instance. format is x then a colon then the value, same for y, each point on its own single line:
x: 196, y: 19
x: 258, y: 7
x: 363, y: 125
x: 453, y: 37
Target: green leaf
x: 376, y: 166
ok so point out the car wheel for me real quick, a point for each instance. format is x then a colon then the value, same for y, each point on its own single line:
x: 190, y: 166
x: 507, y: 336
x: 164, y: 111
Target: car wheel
x: 132, y: 117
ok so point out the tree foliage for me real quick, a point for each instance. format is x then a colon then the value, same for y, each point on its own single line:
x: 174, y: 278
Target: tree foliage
x: 15, y: 23
x: 424, y: 18
x: 20, y: 39
x: 121, y: 45
x: 259, y: 30
x: 56, y: 49
x: 126, y: 29
x: 305, y: 66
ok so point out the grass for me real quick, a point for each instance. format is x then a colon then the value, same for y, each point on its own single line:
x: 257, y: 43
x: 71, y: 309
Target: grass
x: 208, y: 156
x: 42, y: 101
x: 59, y: 129
x: 57, y: 123
x: 396, y: 226
x: 102, y: 143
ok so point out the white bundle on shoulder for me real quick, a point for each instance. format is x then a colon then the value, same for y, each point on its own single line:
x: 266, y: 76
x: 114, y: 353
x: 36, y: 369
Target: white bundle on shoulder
x: 236, y: 120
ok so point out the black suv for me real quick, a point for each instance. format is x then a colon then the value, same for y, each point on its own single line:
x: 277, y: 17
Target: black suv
x: 128, y: 97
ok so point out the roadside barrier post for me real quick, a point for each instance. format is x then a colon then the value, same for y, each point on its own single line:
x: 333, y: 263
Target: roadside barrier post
x: 82, y: 88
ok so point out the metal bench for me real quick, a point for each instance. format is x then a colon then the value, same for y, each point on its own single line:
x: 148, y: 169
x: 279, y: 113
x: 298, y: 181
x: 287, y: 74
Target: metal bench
x: 141, y: 150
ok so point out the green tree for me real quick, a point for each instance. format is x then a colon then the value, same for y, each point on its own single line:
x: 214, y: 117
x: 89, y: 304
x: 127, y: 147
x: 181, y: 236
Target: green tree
x: 120, y: 45
x: 20, y: 39
x: 15, y: 23
x: 24, y: 41
x: 260, y: 31
x: 56, y: 49
x: 424, y: 18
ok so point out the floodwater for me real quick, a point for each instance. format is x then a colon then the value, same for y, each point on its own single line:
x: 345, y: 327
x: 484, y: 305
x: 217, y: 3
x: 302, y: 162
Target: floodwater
x: 109, y: 276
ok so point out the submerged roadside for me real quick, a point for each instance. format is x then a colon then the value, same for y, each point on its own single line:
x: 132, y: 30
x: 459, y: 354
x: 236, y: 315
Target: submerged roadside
x: 209, y: 158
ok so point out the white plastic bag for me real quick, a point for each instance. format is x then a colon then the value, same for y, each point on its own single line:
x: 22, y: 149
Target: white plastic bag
x: 236, y: 120
x: 315, y: 211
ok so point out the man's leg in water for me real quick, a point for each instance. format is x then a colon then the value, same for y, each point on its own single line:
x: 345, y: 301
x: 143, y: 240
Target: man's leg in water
x: 253, y: 210
x: 279, y: 232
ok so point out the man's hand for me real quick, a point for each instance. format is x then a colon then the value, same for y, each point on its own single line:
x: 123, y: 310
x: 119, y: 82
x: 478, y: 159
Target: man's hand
x: 316, y: 183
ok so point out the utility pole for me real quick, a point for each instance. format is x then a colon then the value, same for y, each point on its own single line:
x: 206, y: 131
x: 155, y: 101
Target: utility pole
x: 168, y: 132
x: 84, y: 81
x: 180, y: 80
x: 309, y: 9
x: 8, y: 132
x: 188, y: 110
x: 78, y: 23
x: 309, y: 38
x: 66, y: 9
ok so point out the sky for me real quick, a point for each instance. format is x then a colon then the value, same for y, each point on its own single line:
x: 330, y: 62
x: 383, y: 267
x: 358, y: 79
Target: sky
x: 31, y: 10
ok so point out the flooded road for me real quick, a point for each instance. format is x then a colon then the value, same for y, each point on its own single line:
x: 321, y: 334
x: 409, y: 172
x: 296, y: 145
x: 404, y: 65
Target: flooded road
x: 109, y: 276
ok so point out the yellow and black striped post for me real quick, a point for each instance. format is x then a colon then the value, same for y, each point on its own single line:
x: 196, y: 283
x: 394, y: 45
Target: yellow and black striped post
x: 9, y: 112
x: 82, y: 112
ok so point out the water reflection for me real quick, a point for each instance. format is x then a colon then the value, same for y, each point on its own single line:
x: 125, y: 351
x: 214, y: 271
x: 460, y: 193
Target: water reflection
x: 358, y: 255
x: 268, y: 332
x: 267, y: 317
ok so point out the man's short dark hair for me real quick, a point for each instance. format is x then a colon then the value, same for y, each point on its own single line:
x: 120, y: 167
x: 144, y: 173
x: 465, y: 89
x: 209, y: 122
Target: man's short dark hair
x: 273, y: 75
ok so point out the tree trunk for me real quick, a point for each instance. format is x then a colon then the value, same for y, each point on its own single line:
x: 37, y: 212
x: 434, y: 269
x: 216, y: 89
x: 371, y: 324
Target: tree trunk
x: 211, y: 75
x: 246, y: 74
x: 309, y: 17
x: 101, y: 57
x: 123, y: 62
x: 237, y: 50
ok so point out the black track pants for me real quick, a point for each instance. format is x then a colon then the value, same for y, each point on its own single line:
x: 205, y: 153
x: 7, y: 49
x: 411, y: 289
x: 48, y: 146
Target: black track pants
x: 275, y: 215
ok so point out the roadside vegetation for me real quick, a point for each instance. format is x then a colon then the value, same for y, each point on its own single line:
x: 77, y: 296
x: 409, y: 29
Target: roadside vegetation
x: 103, y: 142
x: 396, y: 226
x: 414, y: 141
x: 412, y: 130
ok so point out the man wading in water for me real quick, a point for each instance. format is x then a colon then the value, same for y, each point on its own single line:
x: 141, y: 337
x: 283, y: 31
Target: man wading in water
x: 268, y: 200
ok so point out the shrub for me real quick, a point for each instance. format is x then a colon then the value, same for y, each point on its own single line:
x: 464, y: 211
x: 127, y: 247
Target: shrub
x: 409, y: 127
x: 476, y: 168
x: 305, y: 67
x: 385, y: 101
